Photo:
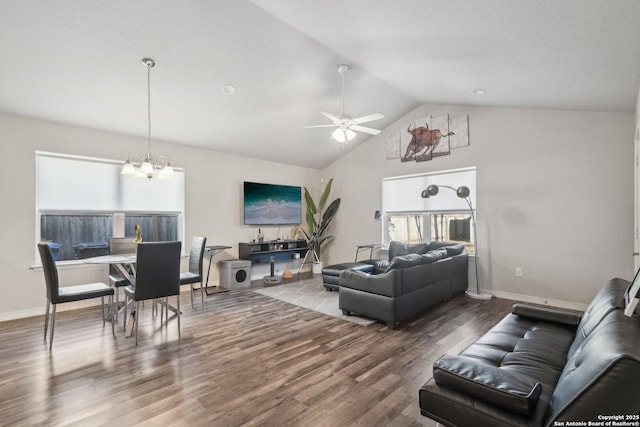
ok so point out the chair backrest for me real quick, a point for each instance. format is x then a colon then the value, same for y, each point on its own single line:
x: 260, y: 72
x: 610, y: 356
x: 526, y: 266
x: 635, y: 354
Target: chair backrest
x: 196, y: 254
x: 158, y: 270
x: 50, y: 272
x: 119, y: 246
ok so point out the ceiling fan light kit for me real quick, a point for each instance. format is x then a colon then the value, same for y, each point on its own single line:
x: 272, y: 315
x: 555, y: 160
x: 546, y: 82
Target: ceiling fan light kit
x: 346, y: 127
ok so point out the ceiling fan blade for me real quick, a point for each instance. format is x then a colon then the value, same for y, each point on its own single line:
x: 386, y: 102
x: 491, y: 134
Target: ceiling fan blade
x: 369, y: 118
x: 317, y: 126
x: 365, y: 129
x: 330, y: 116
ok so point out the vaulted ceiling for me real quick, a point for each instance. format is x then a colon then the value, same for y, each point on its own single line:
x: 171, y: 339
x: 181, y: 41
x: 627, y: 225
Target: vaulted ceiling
x: 79, y: 62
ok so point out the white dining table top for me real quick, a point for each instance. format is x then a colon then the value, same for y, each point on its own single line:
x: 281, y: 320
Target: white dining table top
x: 111, y: 259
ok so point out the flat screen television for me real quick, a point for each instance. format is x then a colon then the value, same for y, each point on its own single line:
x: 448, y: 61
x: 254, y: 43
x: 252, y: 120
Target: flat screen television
x: 271, y: 204
x: 632, y: 295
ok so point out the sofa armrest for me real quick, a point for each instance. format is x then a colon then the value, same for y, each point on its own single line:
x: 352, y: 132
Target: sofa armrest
x: 498, y: 386
x: 547, y: 314
x: 387, y: 284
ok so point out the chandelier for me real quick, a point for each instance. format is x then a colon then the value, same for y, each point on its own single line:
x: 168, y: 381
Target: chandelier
x: 145, y: 166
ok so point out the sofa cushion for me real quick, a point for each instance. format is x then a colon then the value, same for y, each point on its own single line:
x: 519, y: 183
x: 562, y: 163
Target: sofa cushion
x: 433, y: 256
x: 506, y: 388
x: 453, y: 250
x: 433, y: 245
x: 547, y: 314
x: 405, y: 261
x: 400, y: 249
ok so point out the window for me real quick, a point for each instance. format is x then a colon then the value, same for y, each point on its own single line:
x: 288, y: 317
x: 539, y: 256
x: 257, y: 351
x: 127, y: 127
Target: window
x: 82, y: 202
x: 445, y: 217
x: 155, y: 227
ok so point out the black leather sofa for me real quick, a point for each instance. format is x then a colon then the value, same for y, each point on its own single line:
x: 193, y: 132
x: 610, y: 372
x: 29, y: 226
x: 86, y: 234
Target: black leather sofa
x: 544, y: 367
x: 430, y: 273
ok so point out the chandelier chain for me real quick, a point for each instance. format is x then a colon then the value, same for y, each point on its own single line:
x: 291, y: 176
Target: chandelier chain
x: 149, y: 108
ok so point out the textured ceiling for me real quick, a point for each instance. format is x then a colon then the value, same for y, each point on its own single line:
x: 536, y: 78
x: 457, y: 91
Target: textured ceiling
x: 79, y: 62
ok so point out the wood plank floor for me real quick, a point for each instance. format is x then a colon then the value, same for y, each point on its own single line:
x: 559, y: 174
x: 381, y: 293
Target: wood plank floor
x: 249, y: 360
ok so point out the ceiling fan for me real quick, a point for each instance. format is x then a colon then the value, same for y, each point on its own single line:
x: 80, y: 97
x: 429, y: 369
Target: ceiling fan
x: 346, y: 127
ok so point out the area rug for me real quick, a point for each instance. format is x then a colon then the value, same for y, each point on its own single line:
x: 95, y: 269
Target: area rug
x: 310, y: 294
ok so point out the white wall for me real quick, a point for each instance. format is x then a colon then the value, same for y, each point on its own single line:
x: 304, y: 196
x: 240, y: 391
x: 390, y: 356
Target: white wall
x: 213, y: 199
x: 554, y: 197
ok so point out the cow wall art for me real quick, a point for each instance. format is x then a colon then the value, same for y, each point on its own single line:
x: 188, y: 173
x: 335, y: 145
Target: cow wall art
x: 428, y: 137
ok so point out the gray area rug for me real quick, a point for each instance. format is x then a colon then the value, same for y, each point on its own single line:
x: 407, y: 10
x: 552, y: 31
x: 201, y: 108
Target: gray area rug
x: 310, y: 294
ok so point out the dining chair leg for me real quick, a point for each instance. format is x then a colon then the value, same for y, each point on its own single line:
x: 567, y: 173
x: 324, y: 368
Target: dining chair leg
x: 202, y: 297
x: 178, y: 313
x: 103, y: 315
x: 192, y: 291
x: 46, y: 320
x: 136, y: 319
x: 126, y: 303
x: 114, y: 309
x: 53, y: 326
x: 166, y: 311
x: 117, y: 294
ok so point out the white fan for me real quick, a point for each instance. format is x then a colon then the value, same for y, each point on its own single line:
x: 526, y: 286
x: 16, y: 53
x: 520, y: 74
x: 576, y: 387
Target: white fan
x: 346, y: 126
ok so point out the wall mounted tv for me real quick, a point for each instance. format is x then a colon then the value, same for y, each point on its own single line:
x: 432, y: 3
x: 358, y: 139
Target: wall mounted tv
x: 270, y: 204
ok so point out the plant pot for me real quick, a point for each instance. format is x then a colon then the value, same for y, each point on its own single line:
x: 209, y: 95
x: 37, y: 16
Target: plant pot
x: 316, y: 268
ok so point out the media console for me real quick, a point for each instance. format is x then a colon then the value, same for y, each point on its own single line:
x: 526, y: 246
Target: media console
x: 280, y: 250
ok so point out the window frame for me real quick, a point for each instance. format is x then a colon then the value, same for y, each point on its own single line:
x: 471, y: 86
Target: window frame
x: 426, y: 214
x: 118, y: 215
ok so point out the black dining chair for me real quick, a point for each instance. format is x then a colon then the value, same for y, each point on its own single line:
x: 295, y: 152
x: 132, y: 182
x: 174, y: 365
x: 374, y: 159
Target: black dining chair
x: 57, y: 294
x: 120, y: 246
x: 157, y: 277
x: 194, y: 275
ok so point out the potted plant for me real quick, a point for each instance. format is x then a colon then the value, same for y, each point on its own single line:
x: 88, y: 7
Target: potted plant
x: 318, y: 222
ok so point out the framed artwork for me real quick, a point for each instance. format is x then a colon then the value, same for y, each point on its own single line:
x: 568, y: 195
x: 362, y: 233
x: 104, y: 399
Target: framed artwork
x: 429, y: 137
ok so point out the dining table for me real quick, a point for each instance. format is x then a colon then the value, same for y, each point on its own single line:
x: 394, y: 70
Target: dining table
x: 120, y: 261
x: 123, y: 262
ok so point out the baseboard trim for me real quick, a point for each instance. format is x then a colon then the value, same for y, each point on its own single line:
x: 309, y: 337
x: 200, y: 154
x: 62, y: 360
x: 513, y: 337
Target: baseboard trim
x: 21, y: 314
x: 39, y: 311
x: 538, y: 300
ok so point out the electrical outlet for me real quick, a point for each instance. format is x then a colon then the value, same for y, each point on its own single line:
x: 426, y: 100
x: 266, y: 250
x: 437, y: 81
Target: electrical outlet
x: 518, y: 272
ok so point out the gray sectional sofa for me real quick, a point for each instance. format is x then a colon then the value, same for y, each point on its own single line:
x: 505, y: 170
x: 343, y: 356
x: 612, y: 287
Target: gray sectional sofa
x: 415, y: 278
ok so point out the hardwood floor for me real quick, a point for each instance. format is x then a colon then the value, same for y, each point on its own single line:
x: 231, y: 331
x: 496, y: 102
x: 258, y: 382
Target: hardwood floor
x: 249, y: 360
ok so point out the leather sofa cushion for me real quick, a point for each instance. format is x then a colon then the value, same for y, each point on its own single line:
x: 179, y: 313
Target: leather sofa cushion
x: 533, y: 349
x: 547, y: 314
x: 411, y: 260
x: 506, y: 388
x: 433, y: 245
x: 453, y: 250
x: 401, y: 249
x: 405, y: 261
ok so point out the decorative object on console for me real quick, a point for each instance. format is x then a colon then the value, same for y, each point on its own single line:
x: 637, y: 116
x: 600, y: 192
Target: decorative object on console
x: 428, y: 137
x: 345, y: 125
x: 139, y: 166
x: 463, y: 192
x: 138, y: 231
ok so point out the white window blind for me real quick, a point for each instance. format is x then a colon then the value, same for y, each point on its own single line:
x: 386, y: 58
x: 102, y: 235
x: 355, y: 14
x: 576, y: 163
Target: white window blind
x: 402, y: 193
x: 76, y: 183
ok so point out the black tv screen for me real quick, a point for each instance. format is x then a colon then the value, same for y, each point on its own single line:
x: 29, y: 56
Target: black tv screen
x: 270, y: 204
